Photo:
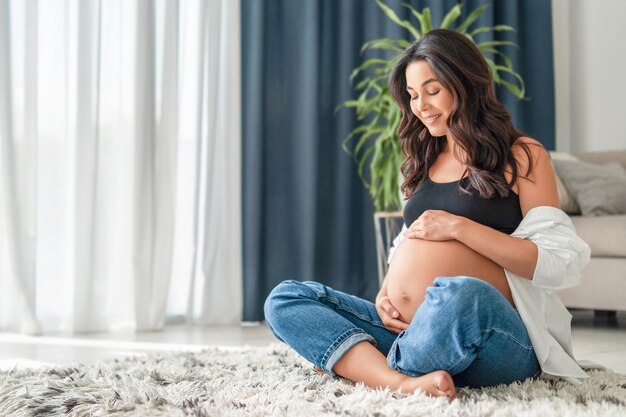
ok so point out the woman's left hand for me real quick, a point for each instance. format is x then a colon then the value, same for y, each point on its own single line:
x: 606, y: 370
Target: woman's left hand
x: 435, y: 225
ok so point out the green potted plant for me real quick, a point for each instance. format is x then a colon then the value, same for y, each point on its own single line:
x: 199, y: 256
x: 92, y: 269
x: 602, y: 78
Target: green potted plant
x: 375, y: 136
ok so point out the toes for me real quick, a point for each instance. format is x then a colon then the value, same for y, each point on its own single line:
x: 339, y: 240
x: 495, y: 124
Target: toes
x: 443, y: 381
x: 445, y: 385
x: 451, y: 393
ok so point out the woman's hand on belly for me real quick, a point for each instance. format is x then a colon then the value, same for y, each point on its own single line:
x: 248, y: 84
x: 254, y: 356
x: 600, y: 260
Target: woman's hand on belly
x: 389, y: 315
x: 435, y: 225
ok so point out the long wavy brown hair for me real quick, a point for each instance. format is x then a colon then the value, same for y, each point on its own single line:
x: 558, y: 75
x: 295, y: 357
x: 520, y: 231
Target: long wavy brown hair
x: 480, y: 124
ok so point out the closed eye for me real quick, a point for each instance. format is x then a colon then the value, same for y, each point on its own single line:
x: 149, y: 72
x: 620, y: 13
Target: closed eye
x: 434, y: 93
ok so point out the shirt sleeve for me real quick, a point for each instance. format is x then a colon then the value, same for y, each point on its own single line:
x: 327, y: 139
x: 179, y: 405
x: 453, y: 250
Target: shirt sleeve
x: 395, y: 243
x: 561, y: 256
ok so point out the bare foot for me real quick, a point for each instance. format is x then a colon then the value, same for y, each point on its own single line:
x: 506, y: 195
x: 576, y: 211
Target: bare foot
x: 436, y: 384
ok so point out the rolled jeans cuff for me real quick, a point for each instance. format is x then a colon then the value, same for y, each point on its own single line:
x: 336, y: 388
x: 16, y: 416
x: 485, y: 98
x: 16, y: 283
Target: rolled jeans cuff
x: 344, y: 343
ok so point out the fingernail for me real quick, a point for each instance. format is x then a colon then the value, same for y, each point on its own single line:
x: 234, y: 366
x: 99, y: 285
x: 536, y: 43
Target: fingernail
x: 394, y: 314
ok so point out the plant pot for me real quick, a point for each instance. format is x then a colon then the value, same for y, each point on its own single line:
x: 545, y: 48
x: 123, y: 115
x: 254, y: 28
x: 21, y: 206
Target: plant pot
x: 387, y: 225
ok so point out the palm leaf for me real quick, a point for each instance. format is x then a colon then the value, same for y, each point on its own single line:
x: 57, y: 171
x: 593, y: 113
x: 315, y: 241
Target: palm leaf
x: 383, y: 43
x: 519, y: 78
x: 424, y: 18
x: 490, y: 44
x: 473, y: 16
x: 496, y: 28
x: 394, y: 18
x: 451, y: 17
x: 365, y: 66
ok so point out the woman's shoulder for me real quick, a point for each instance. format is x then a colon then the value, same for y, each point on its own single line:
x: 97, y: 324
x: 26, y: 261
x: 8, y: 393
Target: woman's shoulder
x: 536, y: 181
x: 528, y: 151
x: 525, y: 140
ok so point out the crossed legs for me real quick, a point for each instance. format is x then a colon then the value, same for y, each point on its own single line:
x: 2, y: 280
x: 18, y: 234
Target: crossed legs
x: 460, y: 329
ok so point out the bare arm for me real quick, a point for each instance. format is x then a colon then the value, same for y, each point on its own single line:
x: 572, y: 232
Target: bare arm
x: 514, y: 254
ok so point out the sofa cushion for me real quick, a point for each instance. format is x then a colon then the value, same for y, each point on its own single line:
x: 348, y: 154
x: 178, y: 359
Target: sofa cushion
x: 606, y: 235
x: 598, y: 189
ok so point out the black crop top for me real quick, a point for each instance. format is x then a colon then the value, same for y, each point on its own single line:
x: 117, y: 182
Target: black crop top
x: 503, y: 214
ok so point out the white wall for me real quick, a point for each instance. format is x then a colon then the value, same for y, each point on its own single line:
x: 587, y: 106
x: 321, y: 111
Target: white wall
x: 590, y: 74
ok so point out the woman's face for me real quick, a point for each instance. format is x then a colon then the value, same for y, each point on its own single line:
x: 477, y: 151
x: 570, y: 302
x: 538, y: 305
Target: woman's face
x: 430, y: 101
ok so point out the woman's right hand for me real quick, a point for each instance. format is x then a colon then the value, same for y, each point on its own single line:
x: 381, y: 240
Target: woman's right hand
x: 389, y: 315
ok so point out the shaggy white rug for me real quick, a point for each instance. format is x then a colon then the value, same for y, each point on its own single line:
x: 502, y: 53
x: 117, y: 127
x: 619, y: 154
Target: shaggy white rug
x: 274, y: 381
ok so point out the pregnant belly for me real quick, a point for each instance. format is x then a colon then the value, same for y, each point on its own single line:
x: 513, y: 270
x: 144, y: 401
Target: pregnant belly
x: 416, y: 263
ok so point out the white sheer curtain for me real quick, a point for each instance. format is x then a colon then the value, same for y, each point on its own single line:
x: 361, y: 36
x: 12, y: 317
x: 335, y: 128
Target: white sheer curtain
x: 120, y: 164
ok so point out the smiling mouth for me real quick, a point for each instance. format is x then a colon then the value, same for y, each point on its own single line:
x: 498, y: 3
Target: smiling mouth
x: 432, y: 118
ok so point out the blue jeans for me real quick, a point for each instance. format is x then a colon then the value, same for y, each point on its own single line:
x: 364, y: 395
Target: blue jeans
x: 464, y: 326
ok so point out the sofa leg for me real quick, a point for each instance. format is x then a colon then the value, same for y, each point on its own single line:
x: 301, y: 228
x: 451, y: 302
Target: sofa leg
x: 606, y: 314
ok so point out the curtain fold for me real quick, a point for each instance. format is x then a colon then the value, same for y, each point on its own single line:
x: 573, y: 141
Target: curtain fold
x: 17, y: 188
x: 218, y: 208
x: 87, y: 195
x: 306, y: 214
x: 104, y: 109
x: 155, y: 164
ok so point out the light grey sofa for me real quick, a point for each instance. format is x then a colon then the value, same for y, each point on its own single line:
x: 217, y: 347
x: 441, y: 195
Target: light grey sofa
x: 603, y: 284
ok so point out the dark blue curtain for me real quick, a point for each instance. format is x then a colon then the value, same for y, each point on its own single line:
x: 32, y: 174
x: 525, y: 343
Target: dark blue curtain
x: 306, y: 214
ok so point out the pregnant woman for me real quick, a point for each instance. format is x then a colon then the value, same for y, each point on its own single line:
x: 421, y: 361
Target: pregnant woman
x: 468, y: 299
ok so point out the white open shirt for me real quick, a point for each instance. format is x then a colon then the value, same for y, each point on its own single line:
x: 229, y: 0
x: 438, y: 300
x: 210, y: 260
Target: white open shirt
x: 562, y: 254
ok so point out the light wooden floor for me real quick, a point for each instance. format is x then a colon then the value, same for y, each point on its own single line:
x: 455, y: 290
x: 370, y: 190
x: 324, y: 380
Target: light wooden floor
x: 599, y: 340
